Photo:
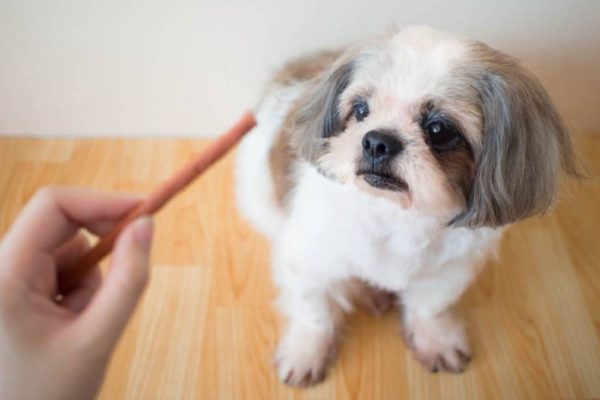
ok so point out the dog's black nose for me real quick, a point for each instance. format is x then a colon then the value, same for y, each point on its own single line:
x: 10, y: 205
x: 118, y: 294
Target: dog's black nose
x: 380, y: 146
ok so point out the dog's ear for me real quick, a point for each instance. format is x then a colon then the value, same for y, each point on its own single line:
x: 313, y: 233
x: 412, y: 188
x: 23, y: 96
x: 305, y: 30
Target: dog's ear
x: 525, y: 145
x: 318, y: 114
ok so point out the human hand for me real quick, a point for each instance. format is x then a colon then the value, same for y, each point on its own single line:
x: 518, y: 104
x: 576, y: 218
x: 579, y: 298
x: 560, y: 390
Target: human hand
x: 57, y: 346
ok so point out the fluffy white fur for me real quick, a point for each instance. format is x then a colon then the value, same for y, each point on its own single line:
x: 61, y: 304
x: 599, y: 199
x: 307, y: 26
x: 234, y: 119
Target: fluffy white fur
x: 255, y: 192
x: 334, y: 232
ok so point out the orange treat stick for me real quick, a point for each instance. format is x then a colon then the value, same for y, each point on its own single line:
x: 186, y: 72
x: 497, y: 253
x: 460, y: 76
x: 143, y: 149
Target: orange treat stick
x: 155, y: 201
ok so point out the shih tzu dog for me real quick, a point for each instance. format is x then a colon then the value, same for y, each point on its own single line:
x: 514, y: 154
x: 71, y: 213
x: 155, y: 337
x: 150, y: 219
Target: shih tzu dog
x: 384, y: 174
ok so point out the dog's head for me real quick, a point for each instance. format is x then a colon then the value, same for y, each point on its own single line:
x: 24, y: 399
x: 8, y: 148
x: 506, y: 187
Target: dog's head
x: 444, y: 125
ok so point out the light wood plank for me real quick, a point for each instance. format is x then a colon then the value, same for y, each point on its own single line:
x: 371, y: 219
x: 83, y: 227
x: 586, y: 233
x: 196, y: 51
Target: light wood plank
x: 206, y: 327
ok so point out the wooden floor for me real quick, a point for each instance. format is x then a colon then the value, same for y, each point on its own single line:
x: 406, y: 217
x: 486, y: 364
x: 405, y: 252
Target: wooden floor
x: 206, y: 328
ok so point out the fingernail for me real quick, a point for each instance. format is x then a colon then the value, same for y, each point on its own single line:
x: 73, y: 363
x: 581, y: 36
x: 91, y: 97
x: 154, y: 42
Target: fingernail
x: 143, y: 232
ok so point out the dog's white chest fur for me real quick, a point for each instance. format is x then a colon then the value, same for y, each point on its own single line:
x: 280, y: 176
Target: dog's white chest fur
x: 342, y: 233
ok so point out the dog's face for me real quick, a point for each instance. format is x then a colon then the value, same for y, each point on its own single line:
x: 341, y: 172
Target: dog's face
x: 446, y: 126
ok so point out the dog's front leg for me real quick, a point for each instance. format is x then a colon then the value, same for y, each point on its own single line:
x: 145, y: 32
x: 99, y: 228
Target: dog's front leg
x: 309, y: 343
x: 435, y: 334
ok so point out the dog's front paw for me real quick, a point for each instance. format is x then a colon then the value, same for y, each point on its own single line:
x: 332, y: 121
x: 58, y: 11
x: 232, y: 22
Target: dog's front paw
x: 302, y: 358
x: 439, y: 343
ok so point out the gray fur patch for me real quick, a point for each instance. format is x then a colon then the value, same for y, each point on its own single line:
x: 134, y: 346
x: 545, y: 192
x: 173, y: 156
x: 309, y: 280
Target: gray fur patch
x: 525, y: 145
x: 318, y: 117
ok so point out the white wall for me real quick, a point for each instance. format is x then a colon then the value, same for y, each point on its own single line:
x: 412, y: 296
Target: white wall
x: 190, y: 67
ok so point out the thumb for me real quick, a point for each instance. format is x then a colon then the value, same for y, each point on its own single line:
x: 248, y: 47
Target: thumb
x: 111, y: 308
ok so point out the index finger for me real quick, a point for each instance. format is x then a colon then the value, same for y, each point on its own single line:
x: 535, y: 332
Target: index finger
x: 54, y: 214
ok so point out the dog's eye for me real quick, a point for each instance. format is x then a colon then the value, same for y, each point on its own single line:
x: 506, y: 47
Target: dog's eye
x: 361, y: 109
x: 442, y: 136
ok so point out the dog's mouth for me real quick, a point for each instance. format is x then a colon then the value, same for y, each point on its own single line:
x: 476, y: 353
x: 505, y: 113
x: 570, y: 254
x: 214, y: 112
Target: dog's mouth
x: 383, y: 181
